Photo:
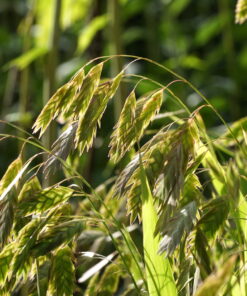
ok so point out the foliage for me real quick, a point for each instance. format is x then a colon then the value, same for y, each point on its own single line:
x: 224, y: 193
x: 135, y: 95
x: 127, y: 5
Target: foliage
x: 165, y: 213
x: 174, y: 182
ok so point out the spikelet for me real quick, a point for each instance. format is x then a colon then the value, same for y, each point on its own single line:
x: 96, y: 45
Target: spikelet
x: 241, y: 11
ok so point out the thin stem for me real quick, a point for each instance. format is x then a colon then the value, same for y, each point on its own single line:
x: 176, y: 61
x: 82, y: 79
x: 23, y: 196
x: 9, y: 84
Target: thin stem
x: 116, y: 49
x: 9, y: 90
x: 112, y: 238
x: 37, y: 276
x: 230, y: 55
x: 25, y: 73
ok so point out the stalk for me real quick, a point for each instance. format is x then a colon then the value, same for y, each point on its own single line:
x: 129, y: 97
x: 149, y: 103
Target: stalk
x: 25, y: 73
x: 242, y: 229
x: 229, y: 49
x: 38, y: 280
x: 50, y: 72
x: 152, y: 22
x: 116, y: 49
x: 9, y: 91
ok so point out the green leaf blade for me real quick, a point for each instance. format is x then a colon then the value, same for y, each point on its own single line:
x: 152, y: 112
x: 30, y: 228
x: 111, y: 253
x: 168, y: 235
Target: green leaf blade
x: 159, y: 274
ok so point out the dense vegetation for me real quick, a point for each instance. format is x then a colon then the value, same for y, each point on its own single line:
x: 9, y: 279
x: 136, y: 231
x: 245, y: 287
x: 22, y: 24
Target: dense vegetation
x: 136, y: 184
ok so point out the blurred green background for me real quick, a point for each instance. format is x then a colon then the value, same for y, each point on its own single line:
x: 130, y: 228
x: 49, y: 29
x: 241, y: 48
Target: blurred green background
x: 43, y: 43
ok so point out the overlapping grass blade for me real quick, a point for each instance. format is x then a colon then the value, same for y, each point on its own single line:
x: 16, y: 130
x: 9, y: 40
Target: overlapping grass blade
x: 159, y: 273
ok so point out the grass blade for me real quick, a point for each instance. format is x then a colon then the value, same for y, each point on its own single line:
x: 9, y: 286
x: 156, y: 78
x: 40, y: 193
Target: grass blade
x: 159, y: 274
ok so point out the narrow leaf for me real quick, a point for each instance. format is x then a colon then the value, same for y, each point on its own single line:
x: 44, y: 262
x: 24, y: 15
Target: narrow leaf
x: 96, y: 268
x: 159, y: 274
x: 85, y: 37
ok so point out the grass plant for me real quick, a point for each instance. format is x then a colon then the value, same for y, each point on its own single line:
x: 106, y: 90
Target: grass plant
x: 171, y: 220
